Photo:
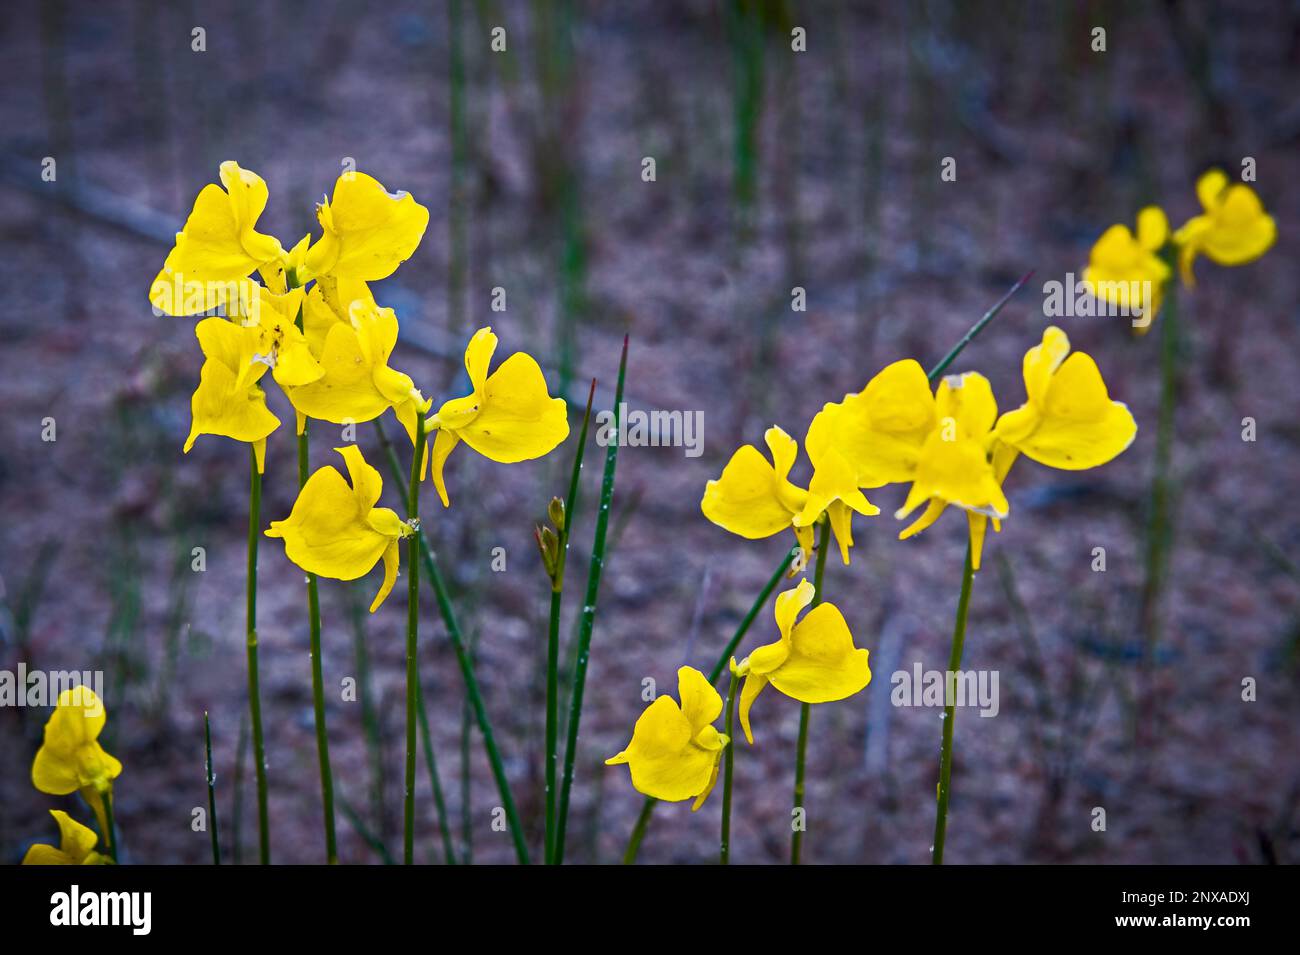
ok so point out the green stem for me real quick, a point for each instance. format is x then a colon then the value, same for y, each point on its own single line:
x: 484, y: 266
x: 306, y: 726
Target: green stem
x: 950, y: 711
x: 553, y: 633
x: 588, y: 617
x: 412, y: 635
x: 725, y: 848
x: 647, y: 810
x: 254, y: 690
x: 212, y: 790
x: 426, y: 740
x: 110, y: 837
x: 805, y: 709
x: 978, y: 327
x: 317, y: 675
x: 1160, y: 521
x: 472, y: 691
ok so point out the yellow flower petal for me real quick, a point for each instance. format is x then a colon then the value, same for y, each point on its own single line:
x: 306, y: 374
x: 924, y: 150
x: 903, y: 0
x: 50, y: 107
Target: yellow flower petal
x: 70, y: 756
x: 823, y: 665
x: 518, y: 419
x: 368, y: 231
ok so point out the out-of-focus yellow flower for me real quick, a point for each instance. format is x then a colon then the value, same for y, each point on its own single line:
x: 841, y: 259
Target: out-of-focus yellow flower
x: 675, y: 750
x: 1127, y: 271
x: 954, y: 465
x: 219, y: 245
x: 755, y: 499
x: 357, y: 384
x: 814, y: 661
x: 76, y: 845
x: 336, y: 531
x: 509, y: 417
x: 1069, y: 420
x: 229, y: 401
x: 71, y: 759
x: 1233, y: 230
x: 369, y: 231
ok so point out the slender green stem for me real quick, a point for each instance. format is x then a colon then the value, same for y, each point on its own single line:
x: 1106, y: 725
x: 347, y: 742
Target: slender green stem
x: 978, y: 327
x: 317, y: 674
x: 110, y: 837
x: 440, y: 804
x: 1160, y: 517
x: 212, y: 790
x: 647, y: 810
x: 588, y: 617
x: 805, y: 709
x: 553, y: 632
x: 412, y: 639
x: 725, y: 847
x: 254, y: 688
x: 463, y: 659
x: 950, y: 711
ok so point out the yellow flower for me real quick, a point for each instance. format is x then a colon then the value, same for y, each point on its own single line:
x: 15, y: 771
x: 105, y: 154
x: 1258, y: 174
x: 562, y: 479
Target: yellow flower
x: 755, y: 499
x: 1127, y: 271
x: 675, y: 750
x: 1233, y: 230
x: 218, y: 246
x: 71, y: 759
x: 954, y: 465
x: 357, y: 384
x: 228, y: 400
x: 814, y: 661
x: 336, y: 531
x: 508, y: 417
x: 1069, y: 421
x: 833, y: 490
x: 274, y: 339
x: 76, y: 845
x: 369, y: 231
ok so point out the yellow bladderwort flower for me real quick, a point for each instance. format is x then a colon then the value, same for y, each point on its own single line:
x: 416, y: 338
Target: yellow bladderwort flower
x: 1233, y: 230
x: 954, y: 466
x: 1069, y: 420
x: 335, y: 530
x: 814, y: 661
x: 229, y: 401
x: 218, y: 246
x: 76, y: 845
x: 1126, y: 270
x: 675, y: 750
x: 833, y: 490
x: 71, y: 759
x: 509, y: 417
x: 272, y: 338
x: 357, y: 384
x: 369, y: 231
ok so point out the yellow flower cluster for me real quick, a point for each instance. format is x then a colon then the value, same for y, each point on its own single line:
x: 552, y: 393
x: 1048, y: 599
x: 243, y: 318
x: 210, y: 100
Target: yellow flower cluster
x: 314, y: 323
x: 71, y: 760
x: 1129, y: 269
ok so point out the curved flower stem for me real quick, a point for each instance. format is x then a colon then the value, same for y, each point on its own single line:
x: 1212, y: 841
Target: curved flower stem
x: 317, y: 676
x: 588, y: 618
x: 212, y: 789
x: 805, y: 711
x: 725, y: 848
x: 553, y: 633
x: 950, y: 712
x: 647, y: 810
x: 412, y: 638
x: 254, y: 688
x: 458, y: 644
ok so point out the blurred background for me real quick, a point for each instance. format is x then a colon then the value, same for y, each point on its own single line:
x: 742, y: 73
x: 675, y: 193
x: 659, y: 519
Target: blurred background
x: 774, y: 169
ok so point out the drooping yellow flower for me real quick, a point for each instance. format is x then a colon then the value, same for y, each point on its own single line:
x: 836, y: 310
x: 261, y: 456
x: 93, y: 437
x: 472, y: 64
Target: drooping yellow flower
x: 357, y: 384
x: 76, y: 845
x: 229, y: 401
x: 1233, y: 230
x: 508, y: 417
x: 1127, y: 271
x: 71, y: 759
x: 336, y: 531
x: 675, y: 750
x: 814, y: 661
x: 218, y: 246
x: 755, y: 499
x: 369, y: 231
x: 1069, y: 420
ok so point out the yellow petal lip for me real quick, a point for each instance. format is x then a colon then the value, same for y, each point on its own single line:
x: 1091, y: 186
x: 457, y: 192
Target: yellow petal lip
x: 76, y: 845
x: 1233, y: 230
x: 675, y: 750
x: 754, y: 498
x: 368, y: 231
